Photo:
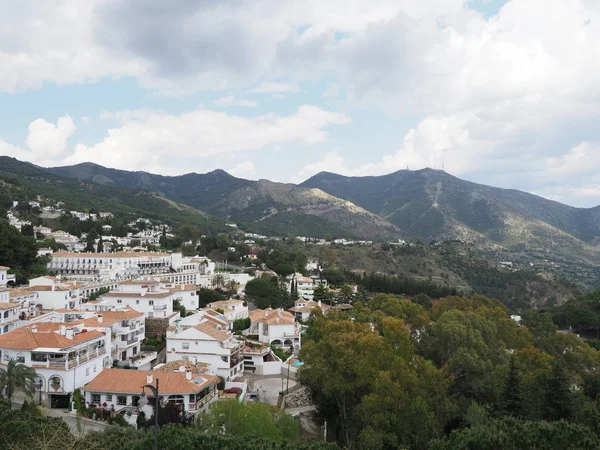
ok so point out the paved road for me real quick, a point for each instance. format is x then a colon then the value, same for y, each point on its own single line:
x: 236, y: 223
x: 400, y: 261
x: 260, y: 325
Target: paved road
x: 268, y: 386
x: 294, y: 411
x: 85, y: 425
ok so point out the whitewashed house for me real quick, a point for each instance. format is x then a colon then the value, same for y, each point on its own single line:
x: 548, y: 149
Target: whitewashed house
x: 121, y: 389
x: 207, y: 343
x: 232, y: 309
x: 302, y: 308
x: 275, y: 327
x: 9, y: 315
x: 5, y: 277
x: 64, y: 357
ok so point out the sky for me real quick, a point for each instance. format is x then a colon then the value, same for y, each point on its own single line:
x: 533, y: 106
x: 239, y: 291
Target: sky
x: 504, y: 93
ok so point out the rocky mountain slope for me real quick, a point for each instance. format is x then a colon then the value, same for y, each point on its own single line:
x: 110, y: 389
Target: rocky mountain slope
x: 431, y: 204
x: 265, y: 206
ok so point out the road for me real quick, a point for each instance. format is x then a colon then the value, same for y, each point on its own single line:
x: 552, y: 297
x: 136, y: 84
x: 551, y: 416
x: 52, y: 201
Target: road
x: 268, y: 386
x: 86, y: 425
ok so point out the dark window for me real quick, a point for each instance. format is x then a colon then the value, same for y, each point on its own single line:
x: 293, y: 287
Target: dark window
x: 122, y: 400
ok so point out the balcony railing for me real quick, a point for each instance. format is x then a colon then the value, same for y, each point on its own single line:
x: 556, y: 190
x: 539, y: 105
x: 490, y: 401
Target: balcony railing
x: 202, y: 403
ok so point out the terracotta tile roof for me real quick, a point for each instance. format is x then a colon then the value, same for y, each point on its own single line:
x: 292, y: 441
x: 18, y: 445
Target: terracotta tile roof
x: 21, y: 339
x: 111, y: 317
x: 8, y: 305
x: 270, y: 316
x: 225, y: 303
x: 210, y: 329
x: 131, y: 381
x: 309, y: 307
x: 19, y: 292
x: 186, y: 288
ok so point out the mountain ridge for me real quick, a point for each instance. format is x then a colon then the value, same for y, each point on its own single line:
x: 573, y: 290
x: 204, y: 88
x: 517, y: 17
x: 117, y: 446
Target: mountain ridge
x: 419, y: 204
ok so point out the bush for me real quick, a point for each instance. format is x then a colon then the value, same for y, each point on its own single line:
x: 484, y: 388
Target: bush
x: 118, y: 420
x: 241, y: 324
x: 221, y: 384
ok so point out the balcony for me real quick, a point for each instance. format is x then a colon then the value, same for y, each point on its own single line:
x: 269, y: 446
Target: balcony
x: 132, y: 341
x: 202, y: 403
x: 142, y: 359
x: 159, y: 307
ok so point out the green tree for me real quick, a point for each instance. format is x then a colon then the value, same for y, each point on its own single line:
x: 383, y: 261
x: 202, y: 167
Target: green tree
x: 512, y: 434
x: 17, y: 375
x: 233, y: 418
x: 264, y: 292
x: 559, y: 400
x: 512, y: 402
x: 423, y: 300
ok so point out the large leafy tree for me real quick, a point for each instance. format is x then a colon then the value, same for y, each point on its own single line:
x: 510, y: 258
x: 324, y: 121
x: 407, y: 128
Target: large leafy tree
x: 264, y: 292
x: 17, y: 375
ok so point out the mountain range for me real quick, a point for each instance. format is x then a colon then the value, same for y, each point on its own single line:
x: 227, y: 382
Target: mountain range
x: 423, y: 204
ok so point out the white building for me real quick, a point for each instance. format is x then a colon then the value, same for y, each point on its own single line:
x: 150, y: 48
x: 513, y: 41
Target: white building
x: 207, y: 343
x: 54, y: 293
x: 26, y: 300
x: 145, y: 296
x: 113, y: 266
x: 302, y: 308
x: 9, y: 315
x: 232, y: 309
x: 185, y: 294
x: 275, y: 327
x: 5, y: 277
x: 121, y: 389
x: 64, y: 357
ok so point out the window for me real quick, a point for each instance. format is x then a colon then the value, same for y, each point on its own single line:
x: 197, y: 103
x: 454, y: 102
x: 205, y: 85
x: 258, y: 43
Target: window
x: 192, y: 294
x: 186, y: 358
x: 137, y: 302
x: 124, y: 355
x: 95, y: 398
x: 135, y: 350
x: 94, y: 368
x: 109, y: 397
x: 185, y: 345
x: 151, y: 302
x: 121, y: 400
x: 119, y: 301
x: 87, y: 372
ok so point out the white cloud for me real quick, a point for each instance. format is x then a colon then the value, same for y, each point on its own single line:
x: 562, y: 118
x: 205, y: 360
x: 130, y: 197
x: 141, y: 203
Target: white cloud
x: 158, y: 141
x: 45, y: 141
x: 331, y: 162
x: 245, y: 169
x: 275, y: 88
x: 85, y: 119
x: 230, y: 100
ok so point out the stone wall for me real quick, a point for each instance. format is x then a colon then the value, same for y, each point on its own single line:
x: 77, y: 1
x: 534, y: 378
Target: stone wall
x: 156, y: 327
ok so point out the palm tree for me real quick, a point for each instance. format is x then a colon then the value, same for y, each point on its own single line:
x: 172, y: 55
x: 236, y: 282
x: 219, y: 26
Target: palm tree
x: 218, y: 280
x: 232, y: 286
x: 16, y: 375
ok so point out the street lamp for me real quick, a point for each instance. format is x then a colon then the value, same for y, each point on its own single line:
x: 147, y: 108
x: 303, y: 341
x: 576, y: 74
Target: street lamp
x: 39, y: 385
x: 144, y: 401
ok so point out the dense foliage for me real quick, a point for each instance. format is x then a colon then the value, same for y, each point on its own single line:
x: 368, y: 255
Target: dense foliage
x: 399, y: 373
x: 20, y: 253
x: 28, y: 429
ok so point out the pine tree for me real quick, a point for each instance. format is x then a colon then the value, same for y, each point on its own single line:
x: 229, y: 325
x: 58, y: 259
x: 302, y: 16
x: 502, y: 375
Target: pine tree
x: 512, y: 396
x: 558, y: 401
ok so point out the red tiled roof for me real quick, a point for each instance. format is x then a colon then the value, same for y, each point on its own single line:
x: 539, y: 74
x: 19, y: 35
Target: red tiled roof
x: 131, y: 382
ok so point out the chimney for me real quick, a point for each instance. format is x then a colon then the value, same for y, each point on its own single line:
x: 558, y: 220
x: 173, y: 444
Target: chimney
x: 149, y: 378
x: 319, y: 303
x: 100, y: 318
x: 34, y: 329
x: 277, y: 319
x: 182, y: 287
x: 63, y: 330
x: 69, y: 333
x: 188, y: 375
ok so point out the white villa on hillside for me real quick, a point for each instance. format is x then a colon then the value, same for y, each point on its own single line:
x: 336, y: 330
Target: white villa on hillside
x: 275, y: 327
x: 64, y: 357
x: 9, y: 314
x: 120, y: 389
x: 207, y: 343
x: 232, y: 309
x: 302, y: 308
